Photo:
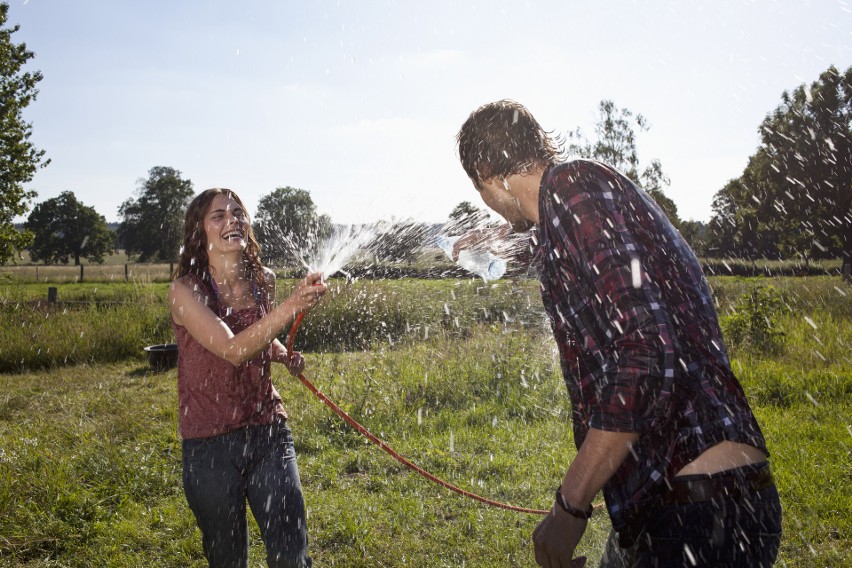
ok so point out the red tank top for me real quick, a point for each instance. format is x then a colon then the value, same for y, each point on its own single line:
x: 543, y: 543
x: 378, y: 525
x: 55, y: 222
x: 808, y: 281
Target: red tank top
x: 215, y: 396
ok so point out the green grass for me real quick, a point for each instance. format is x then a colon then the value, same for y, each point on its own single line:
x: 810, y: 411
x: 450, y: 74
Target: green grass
x: 92, y: 323
x: 117, y: 257
x: 107, y: 322
x: 11, y: 293
x: 90, y: 458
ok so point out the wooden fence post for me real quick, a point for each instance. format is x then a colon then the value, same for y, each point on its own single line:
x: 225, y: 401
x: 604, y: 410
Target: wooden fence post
x: 81, y: 273
x: 51, y: 295
x: 126, y: 273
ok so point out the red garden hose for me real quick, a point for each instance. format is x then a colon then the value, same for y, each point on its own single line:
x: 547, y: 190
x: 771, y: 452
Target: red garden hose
x: 370, y: 436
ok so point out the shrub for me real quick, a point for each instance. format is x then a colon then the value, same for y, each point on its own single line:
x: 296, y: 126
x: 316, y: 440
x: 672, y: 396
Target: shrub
x: 753, y: 321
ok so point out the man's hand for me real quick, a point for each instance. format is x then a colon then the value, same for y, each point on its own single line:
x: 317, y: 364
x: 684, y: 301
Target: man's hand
x: 470, y: 240
x: 490, y: 238
x: 555, y: 539
x: 601, y: 454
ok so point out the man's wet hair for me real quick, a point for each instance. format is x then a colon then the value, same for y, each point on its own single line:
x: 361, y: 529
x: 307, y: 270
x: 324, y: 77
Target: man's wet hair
x: 503, y: 138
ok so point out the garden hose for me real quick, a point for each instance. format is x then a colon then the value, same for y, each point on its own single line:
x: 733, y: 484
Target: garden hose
x: 377, y: 441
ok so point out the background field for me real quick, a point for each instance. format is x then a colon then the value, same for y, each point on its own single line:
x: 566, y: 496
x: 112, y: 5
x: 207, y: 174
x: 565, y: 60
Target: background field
x: 458, y: 376
x: 429, y: 262
x: 115, y: 268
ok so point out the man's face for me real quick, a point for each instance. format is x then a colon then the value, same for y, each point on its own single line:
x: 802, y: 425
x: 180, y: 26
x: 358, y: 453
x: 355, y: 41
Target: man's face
x: 497, y: 195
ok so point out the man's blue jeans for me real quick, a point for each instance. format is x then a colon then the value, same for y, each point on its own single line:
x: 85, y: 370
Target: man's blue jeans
x: 257, y: 464
x: 719, y: 533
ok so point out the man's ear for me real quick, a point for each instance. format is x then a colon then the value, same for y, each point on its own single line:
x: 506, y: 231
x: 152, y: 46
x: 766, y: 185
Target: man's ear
x: 481, y: 177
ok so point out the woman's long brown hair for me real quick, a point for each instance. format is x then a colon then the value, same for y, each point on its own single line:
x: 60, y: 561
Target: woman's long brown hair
x: 193, y: 255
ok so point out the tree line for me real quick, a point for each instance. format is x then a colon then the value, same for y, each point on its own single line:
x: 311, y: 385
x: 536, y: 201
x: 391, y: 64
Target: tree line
x: 287, y: 225
x: 792, y: 199
x: 151, y: 226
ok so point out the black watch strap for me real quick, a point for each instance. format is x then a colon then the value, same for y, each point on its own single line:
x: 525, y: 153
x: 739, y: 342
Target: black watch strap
x: 570, y: 509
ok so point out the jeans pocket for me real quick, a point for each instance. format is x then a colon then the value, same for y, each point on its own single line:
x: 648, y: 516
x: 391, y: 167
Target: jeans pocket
x: 197, y: 452
x: 284, y: 444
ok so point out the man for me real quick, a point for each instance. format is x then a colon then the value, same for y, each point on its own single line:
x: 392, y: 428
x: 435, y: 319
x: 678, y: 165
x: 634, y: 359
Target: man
x: 660, y: 421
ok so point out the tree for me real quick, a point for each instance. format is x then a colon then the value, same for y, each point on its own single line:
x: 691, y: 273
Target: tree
x: 722, y: 227
x: 464, y: 217
x: 288, y: 227
x: 695, y: 233
x: 616, y: 146
x: 804, y: 165
x: 654, y: 181
x: 795, y: 195
x: 64, y: 228
x: 152, y: 224
x: 19, y: 159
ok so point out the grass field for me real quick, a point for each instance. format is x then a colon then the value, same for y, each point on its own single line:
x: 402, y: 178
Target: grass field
x: 459, y: 377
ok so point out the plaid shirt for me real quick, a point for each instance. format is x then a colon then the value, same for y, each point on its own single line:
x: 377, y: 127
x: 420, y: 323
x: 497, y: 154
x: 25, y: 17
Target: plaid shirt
x: 638, y: 337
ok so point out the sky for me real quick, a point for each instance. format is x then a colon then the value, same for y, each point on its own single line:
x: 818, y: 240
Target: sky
x: 359, y: 102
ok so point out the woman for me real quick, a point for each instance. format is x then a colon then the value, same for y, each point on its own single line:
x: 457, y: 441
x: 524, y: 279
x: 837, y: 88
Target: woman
x: 236, y: 443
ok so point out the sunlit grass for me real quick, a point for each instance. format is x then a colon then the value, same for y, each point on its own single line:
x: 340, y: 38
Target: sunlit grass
x: 90, y: 457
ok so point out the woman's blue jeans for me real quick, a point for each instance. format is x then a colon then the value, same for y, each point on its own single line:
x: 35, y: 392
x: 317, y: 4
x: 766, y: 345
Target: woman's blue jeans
x: 255, y: 464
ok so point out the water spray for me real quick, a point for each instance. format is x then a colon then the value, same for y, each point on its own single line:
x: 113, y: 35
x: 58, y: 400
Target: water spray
x: 335, y: 252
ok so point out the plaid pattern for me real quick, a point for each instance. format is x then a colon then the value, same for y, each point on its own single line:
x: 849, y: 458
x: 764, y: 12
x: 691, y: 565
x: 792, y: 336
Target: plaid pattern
x: 637, y: 332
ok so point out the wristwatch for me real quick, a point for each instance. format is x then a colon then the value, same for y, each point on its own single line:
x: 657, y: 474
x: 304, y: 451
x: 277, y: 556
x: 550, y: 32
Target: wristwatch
x: 570, y: 509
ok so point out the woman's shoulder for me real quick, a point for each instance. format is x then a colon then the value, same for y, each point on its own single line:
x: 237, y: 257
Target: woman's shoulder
x: 268, y: 276
x: 190, y: 283
x: 190, y: 280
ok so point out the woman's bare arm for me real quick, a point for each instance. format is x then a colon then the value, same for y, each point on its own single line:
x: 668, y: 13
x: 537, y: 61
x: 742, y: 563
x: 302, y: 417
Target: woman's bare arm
x: 209, y: 330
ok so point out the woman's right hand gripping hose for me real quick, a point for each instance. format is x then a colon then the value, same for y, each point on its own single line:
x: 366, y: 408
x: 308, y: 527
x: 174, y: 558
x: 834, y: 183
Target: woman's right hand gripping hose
x: 307, y: 293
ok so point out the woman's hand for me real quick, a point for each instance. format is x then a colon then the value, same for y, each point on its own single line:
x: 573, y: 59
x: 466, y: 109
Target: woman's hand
x: 307, y: 293
x: 294, y: 361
